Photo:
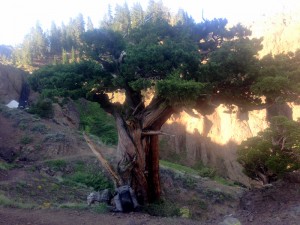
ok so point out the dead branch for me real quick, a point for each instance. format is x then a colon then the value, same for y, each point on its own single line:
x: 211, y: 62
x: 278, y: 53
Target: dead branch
x: 153, y: 132
x: 116, y: 179
x: 136, y: 108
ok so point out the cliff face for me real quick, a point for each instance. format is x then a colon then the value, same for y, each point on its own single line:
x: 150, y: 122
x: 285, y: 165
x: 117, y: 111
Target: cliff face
x: 279, y: 28
x: 213, y: 139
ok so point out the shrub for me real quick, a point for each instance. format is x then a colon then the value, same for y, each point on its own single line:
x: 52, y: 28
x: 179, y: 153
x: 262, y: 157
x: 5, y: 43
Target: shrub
x: 96, y: 181
x: 39, y: 128
x: 57, y: 165
x: 26, y: 140
x: 163, y: 209
x: 6, y: 166
x: 84, y: 174
x: 43, y: 108
x: 204, y: 171
x: 55, y: 137
x: 273, y: 152
x: 95, y: 120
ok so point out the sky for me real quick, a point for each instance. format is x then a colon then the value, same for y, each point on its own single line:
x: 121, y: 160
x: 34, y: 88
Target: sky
x: 18, y: 16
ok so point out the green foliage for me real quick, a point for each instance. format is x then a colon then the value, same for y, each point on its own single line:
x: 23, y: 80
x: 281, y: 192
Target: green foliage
x: 8, y: 202
x: 94, y: 120
x: 232, y: 69
x: 6, y: 166
x: 198, y: 169
x: 279, y: 77
x: 204, y: 171
x: 179, y: 91
x: 217, y: 196
x: 42, y: 108
x: 76, y: 206
x: 163, y: 209
x: 101, y: 208
x: 57, y: 165
x: 80, y: 173
x: 26, y: 140
x: 101, y: 44
x: 39, y: 128
x: 87, y: 175
x: 226, y: 182
x: 158, y: 51
x: 96, y: 181
x: 271, y: 86
x: 178, y: 167
x: 73, y: 80
x: 273, y: 152
x: 64, y: 57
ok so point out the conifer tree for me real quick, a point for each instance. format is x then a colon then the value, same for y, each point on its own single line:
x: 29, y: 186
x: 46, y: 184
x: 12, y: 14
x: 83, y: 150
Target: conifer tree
x: 89, y: 25
x: 137, y: 15
x: 55, y: 40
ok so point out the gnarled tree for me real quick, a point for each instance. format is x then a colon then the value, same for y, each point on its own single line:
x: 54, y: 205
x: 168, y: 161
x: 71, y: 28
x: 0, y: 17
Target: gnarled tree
x: 189, y: 64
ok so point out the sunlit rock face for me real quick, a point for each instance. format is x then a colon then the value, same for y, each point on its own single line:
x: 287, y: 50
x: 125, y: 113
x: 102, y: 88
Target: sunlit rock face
x: 213, y: 139
x: 279, y: 28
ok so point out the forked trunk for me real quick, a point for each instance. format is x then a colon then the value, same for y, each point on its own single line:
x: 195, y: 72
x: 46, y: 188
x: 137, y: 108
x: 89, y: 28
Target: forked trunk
x: 139, y: 152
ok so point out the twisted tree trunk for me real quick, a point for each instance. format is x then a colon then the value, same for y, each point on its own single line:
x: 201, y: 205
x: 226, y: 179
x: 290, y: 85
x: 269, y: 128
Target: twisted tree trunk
x: 138, y: 129
x: 138, y: 148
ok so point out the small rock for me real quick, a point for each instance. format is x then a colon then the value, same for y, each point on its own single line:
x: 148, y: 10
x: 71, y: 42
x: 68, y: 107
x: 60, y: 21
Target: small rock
x: 230, y: 221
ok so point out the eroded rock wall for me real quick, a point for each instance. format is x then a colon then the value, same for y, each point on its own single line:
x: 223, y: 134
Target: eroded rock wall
x: 213, y: 139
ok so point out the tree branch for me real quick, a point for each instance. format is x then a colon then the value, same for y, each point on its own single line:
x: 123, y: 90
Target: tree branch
x: 156, y: 114
x: 103, y: 100
x: 153, y: 132
x: 117, y: 180
x: 136, y: 108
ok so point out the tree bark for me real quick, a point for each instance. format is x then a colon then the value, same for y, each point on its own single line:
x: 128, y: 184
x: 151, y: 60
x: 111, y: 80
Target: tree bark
x: 139, y: 150
x: 154, y: 188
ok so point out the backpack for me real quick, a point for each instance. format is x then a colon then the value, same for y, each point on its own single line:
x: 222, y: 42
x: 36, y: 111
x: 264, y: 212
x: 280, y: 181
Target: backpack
x: 125, y: 200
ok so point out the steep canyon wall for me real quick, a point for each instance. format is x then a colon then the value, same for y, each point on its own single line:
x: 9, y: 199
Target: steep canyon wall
x: 213, y: 139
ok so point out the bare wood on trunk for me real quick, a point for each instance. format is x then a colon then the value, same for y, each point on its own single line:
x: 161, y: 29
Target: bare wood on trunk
x: 116, y: 179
